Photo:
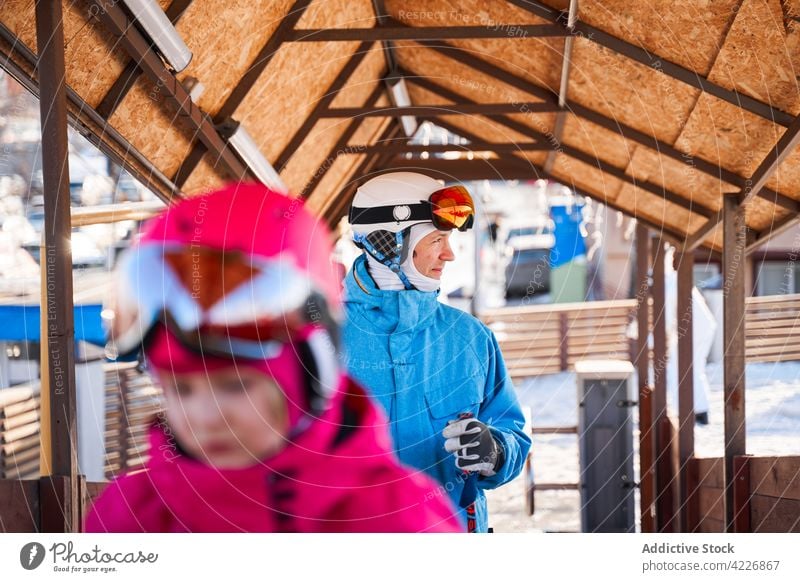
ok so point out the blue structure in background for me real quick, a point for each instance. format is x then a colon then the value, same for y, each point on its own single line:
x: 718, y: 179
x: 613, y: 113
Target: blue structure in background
x: 569, y: 242
x: 568, y: 256
x: 21, y: 323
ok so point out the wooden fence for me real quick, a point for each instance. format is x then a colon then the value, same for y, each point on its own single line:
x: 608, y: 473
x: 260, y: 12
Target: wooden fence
x: 766, y: 496
x: 545, y: 339
x: 19, y: 432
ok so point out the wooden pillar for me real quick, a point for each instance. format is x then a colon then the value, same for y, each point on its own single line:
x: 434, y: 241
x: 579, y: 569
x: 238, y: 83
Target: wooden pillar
x: 642, y: 363
x: 60, y: 511
x: 733, y: 270
x: 664, y: 477
x: 684, y: 264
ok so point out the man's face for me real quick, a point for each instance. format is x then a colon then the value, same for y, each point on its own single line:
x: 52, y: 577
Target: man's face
x: 432, y: 252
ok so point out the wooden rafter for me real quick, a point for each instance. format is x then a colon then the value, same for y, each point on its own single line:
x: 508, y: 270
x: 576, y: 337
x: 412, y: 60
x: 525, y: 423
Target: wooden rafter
x: 138, y: 48
x: 573, y: 152
x: 526, y: 170
x: 392, y: 33
x: 470, y: 108
x: 610, y: 124
x: 245, y: 84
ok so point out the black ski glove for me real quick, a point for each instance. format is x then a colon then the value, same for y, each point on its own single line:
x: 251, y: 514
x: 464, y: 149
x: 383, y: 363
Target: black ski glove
x: 474, y: 446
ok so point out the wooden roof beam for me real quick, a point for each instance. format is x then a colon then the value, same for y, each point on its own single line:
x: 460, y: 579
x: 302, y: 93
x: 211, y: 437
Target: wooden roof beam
x: 476, y: 146
x: 138, y: 48
x: 393, y: 33
x: 641, y: 138
x: 589, y: 159
x: 89, y: 123
x: 769, y: 165
x: 674, y: 235
x: 644, y: 57
x: 777, y: 228
x: 437, y: 110
x: 245, y: 84
x: 131, y: 73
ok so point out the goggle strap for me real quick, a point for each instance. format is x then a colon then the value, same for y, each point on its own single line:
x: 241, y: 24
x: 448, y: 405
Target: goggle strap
x: 380, y: 214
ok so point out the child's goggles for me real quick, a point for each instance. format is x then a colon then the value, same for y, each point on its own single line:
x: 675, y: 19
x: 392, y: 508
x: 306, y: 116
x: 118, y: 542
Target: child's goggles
x: 448, y: 208
x: 225, y: 303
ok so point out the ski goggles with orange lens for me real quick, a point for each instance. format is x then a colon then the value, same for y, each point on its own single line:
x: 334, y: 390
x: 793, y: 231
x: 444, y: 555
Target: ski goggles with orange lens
x: 222, y: 303
x: 449, y: 208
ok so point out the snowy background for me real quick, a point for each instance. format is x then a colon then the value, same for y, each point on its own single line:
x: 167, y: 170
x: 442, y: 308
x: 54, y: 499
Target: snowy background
x: 772, y: 408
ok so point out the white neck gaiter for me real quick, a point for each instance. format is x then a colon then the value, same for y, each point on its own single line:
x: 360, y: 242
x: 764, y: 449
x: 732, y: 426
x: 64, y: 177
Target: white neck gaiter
x: 418, y: 280
x: 384, y: 277
x: 387, y: 280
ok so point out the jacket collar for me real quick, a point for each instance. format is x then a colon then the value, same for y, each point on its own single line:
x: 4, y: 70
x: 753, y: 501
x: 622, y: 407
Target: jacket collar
x: 390, y: 311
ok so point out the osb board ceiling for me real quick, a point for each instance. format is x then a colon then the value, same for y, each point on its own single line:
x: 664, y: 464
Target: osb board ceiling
x: 311, y: 154
x: 725, y: 134
x: 754, y: 58
x: 217, y: 62
x: 681, y: 177
x: 760, y: 214
x: 629, y: 92
x: 752, y: 46
x: 204, y: 178
x: 685, y: 32
x: 161, y: 133
x: 455, y: 76
x: 600, y: 142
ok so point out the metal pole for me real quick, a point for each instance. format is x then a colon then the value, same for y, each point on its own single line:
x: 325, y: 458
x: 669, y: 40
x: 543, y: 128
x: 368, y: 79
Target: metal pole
x: 60, y: 509
x: 685, y: 268
x: 733, y: 329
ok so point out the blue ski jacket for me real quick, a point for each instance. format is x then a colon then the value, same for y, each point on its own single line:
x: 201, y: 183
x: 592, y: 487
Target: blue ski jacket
x: 427, y: 363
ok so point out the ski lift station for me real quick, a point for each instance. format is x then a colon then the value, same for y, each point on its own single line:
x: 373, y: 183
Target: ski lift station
x: 637, y: 176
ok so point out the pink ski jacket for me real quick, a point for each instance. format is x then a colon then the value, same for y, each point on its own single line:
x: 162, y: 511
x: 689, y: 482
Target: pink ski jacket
x: 339, y: 475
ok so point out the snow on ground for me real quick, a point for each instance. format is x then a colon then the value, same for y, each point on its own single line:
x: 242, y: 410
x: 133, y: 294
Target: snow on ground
x: 772, y: 407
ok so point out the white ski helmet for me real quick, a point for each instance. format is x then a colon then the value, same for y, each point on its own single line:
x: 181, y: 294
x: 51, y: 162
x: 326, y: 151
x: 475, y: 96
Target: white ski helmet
x: 398, y: 190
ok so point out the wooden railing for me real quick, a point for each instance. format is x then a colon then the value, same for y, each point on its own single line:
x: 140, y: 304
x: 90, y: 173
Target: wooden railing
x: 545, y: 339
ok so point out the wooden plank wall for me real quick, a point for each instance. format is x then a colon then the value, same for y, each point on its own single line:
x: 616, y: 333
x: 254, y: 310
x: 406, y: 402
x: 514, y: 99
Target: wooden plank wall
x: 771, y: 503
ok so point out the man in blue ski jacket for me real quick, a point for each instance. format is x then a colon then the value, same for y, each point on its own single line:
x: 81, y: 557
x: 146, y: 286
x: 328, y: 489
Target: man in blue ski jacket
x: 437, y: 371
